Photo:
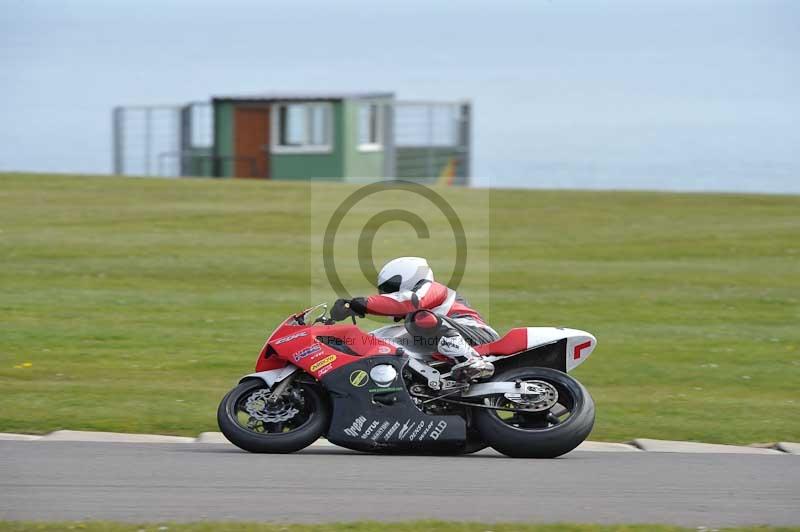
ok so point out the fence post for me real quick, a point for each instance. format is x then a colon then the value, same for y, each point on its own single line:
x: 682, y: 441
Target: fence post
x: 185, y: 139
x: 465, y: 140
x: 147, y: 139
x: 429, y: 164
x: 389, y: 154
x: 117, y: 118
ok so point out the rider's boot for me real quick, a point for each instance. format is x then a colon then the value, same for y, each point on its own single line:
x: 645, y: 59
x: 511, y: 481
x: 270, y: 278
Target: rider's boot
x: 470, y: 365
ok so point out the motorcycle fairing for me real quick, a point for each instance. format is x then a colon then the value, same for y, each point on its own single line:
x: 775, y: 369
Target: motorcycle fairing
x: 578, y: 345
x: 270, y: 377
x: 319, y: 350
x: 370, y: 417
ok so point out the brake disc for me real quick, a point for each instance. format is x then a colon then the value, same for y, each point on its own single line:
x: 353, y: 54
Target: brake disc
x: 538, y: 396
x: 259, y: 407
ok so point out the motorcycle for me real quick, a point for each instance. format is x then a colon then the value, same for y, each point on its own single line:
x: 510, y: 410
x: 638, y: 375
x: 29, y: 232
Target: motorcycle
x: 379, y: 392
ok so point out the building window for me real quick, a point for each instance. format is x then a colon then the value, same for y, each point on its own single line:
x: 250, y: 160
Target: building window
x: 302, y: 127
x: 370, y: 127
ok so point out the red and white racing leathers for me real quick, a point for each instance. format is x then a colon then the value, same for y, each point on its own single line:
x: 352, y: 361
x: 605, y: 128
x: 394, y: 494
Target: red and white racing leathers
x: 455, y: 341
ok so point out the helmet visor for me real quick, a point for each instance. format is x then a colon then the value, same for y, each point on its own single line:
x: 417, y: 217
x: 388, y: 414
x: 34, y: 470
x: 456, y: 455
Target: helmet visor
x: 390, y: 285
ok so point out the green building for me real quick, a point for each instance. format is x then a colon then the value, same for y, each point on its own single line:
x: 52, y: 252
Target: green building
x: 290, y: 136
x: 332, y: 136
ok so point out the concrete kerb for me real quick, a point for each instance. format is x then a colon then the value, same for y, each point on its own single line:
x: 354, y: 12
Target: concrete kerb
x: 669, y: 446
x: 118, y: 437
x: 788, y: 447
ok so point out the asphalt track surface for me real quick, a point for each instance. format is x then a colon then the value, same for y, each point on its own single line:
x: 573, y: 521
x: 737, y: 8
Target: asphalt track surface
x: 192, y: 482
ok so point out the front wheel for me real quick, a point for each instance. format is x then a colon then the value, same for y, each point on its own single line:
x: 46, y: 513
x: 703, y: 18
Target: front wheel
x: 255, y: 422
x: 557, y: 420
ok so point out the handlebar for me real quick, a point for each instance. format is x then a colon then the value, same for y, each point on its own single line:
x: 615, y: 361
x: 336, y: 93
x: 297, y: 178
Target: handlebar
x: 352, y: 313
x: 327, y: 320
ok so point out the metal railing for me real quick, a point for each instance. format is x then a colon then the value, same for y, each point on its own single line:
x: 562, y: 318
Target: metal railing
x: 431, y: 140
x: 143, y: 135
x: 423, y: 140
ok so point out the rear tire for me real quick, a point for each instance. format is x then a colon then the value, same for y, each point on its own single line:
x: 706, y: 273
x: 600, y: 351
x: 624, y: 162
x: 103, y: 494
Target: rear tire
x: 473, y: 446
x: 316, y: 411
x: 545, y: 441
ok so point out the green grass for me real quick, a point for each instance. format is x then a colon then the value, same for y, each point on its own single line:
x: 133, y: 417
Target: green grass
x: 138, y: 303
x: 365, y: 526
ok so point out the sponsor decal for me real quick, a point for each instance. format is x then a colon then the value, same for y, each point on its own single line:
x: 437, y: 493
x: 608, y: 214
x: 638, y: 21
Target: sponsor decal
x: 437, y: 431
x: 324, y: 362
x: 324, y: 370
x: 577, y: 351
x: 355, y: 427
x: 369, y: 430
x: 358, y: 378
x: 307, y: 351
x: 385, y: 390
x: 417, y: 429
x: 406, y: 427
x: 289, y: 338
x: 391, y: 430
x: 381, y: 430
x: 424, y: 432
x: 384, y: 350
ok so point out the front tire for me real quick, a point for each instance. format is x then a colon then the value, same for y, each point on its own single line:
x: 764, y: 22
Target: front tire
x: 295, y: 423
x: 541, y: 434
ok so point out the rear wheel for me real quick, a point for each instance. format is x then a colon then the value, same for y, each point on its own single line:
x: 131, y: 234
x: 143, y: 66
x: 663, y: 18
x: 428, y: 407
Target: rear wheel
x: 252, y: 420
x: 474, y: 443
x: 561, y: 416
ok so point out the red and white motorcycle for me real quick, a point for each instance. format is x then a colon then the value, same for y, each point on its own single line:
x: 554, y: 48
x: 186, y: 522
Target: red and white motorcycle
x: 374, y: 392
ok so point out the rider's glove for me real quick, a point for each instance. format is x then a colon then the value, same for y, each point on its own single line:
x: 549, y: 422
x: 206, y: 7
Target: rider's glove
x: 344, y: 308
x: 359, y: 306
x: 341, y: 310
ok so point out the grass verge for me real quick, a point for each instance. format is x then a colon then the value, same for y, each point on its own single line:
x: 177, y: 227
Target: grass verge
x: 133, y: 305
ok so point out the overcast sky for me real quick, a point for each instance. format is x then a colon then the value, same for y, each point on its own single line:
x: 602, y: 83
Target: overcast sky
x: 659, y: 94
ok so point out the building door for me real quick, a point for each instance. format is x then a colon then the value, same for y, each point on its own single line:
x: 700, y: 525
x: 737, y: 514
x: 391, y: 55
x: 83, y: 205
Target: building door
x: 251, y: 141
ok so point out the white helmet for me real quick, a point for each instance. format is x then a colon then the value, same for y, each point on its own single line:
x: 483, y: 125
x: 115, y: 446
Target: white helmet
x: 403, y: 274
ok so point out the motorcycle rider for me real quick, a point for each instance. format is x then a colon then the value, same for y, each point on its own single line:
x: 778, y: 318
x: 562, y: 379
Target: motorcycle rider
x: 406, y: 284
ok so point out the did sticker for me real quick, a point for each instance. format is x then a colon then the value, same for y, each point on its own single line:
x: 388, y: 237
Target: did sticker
x: 358, y: 378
